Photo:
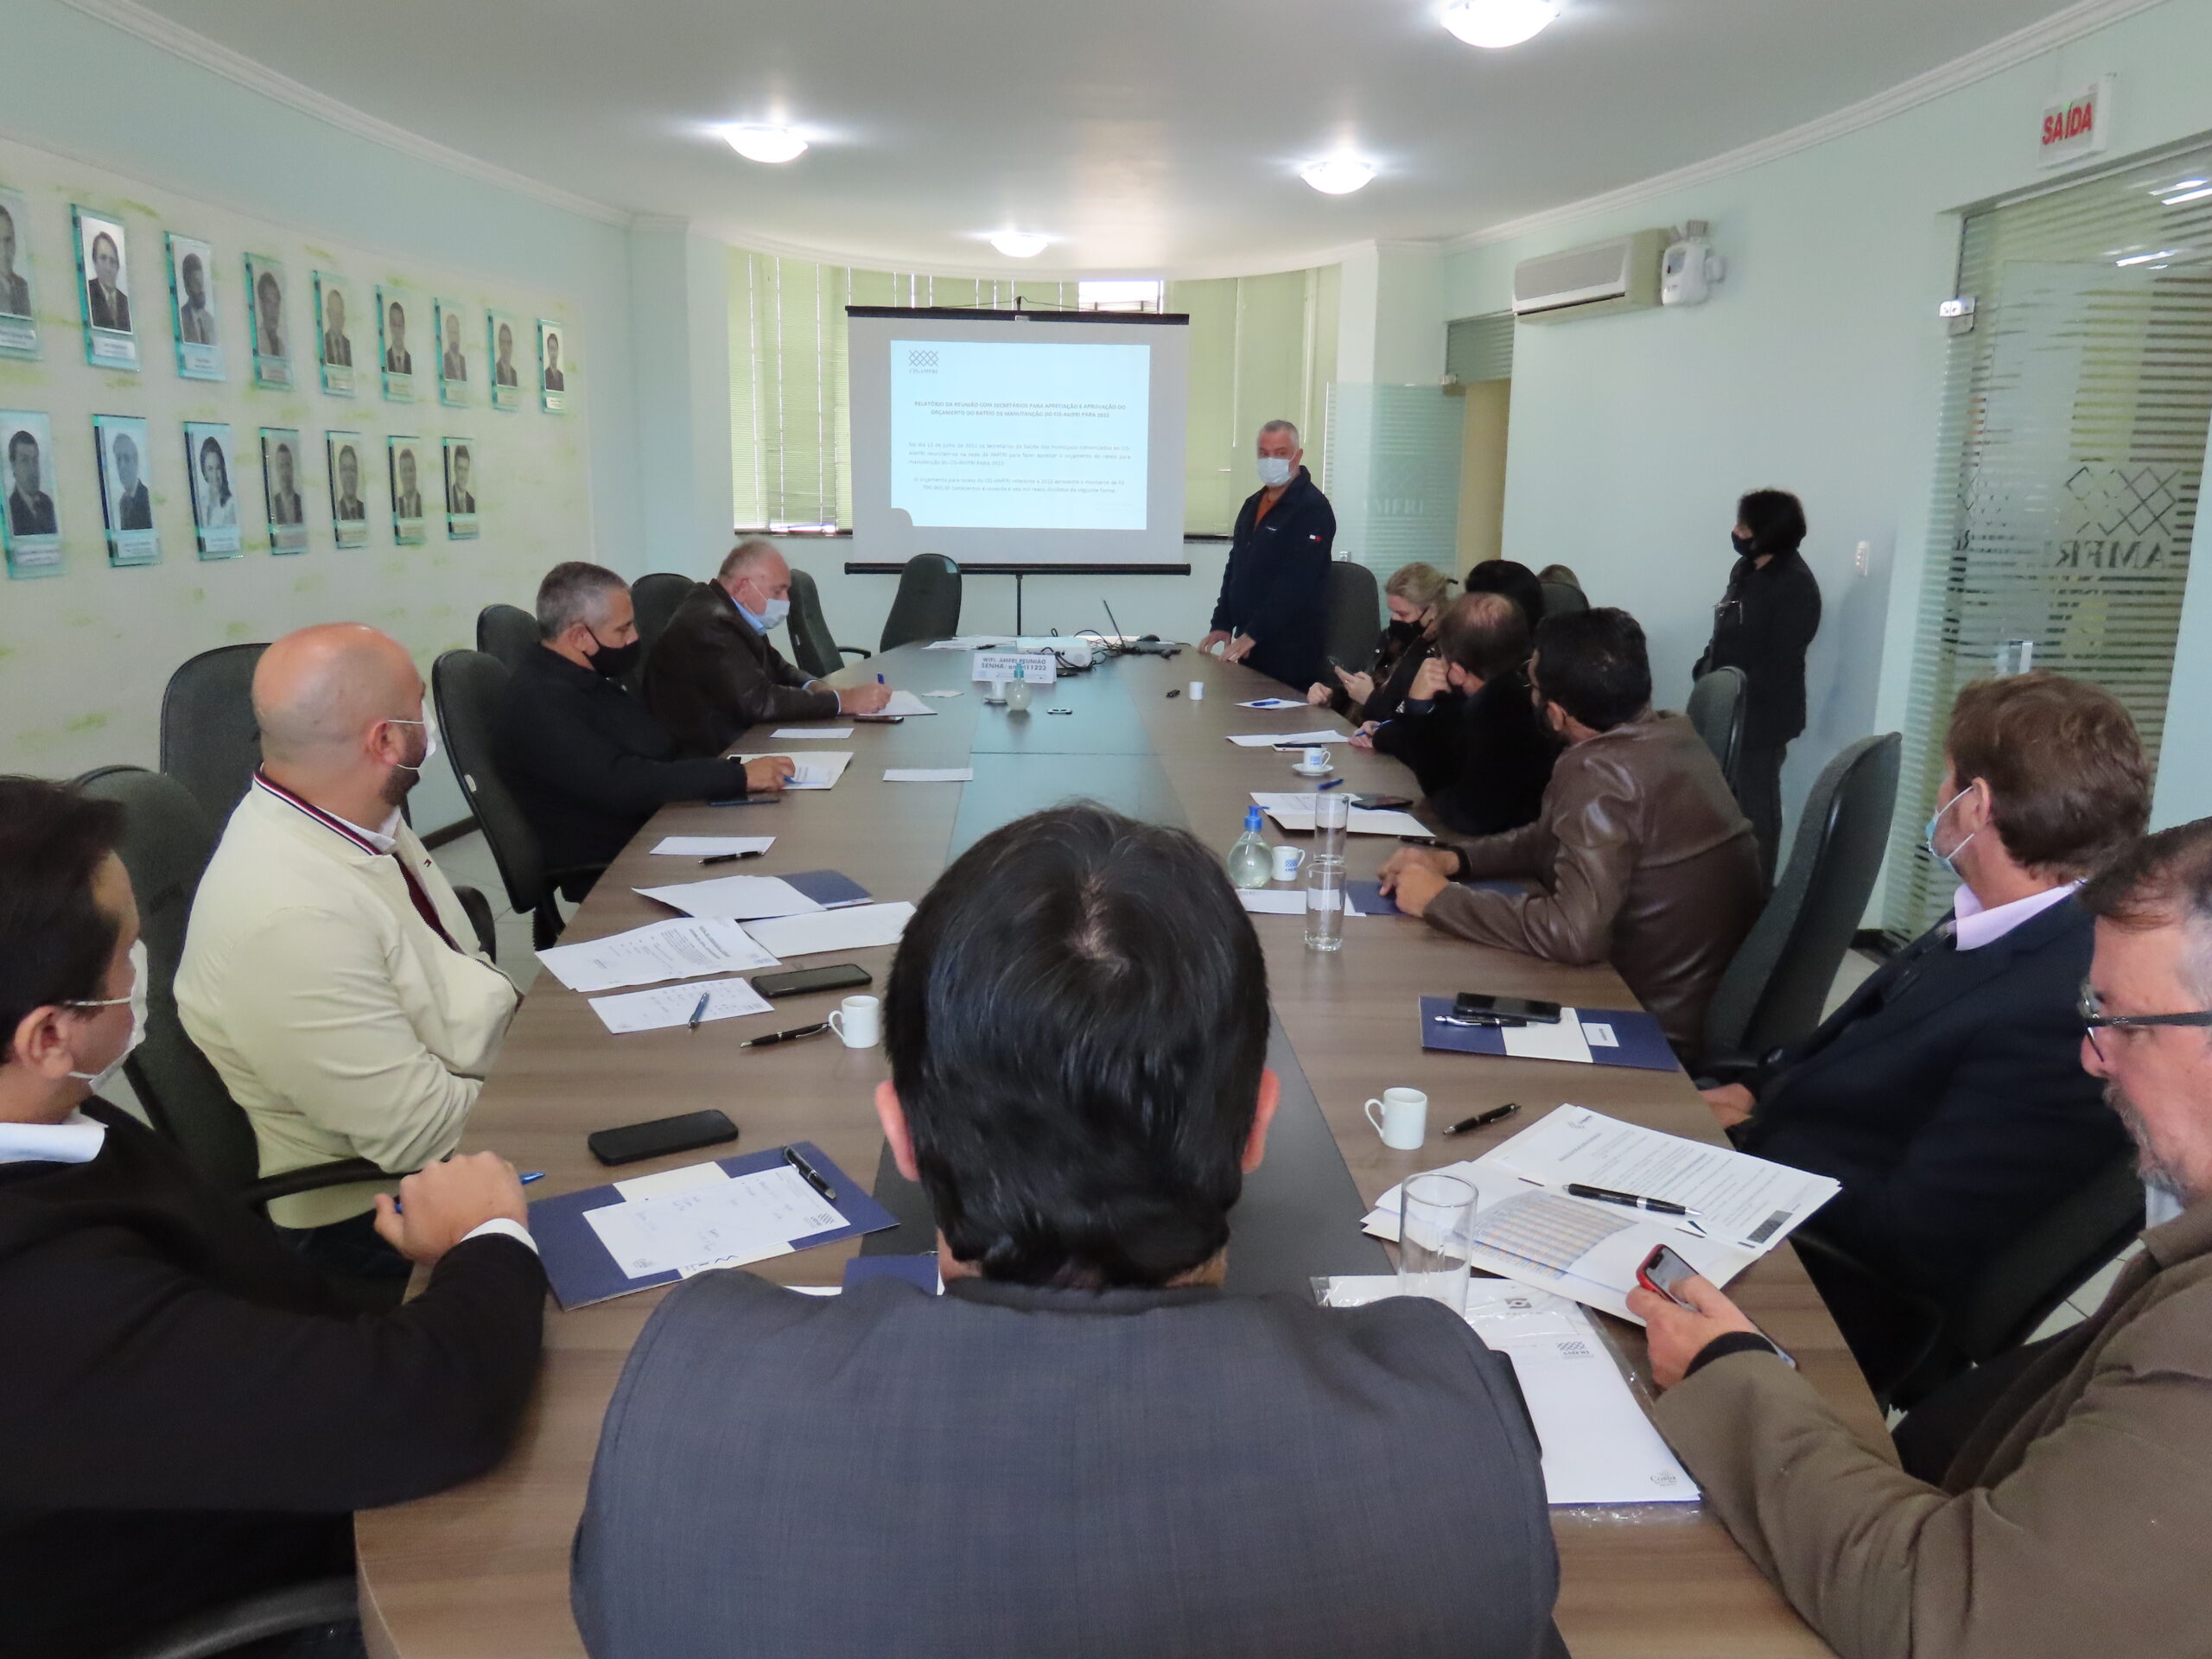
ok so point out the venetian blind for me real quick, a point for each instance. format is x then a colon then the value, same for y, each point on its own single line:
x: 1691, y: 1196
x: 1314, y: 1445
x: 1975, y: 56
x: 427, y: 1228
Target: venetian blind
x: 1479, y: 348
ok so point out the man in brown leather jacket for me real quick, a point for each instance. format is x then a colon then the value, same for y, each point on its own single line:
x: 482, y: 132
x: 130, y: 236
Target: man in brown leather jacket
x: 2055, y: 1501
x: 1645, y: 859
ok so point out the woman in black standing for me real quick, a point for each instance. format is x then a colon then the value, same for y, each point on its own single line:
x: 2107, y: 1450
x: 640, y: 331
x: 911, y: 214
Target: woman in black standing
x: 1764, y: 624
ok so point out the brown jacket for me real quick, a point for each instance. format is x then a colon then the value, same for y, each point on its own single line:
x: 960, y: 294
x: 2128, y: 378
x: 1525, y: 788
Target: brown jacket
x: 711, y: 675
x: 1646, y: 860
x: 2073, y: 1521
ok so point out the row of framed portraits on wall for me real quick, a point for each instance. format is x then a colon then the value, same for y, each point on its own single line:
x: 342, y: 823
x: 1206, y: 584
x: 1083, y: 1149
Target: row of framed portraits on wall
x: 411, y: 343
x: 30, y: 528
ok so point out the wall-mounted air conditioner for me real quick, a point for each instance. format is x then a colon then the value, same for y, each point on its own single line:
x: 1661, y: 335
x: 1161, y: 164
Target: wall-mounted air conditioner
x: 1622, y: 275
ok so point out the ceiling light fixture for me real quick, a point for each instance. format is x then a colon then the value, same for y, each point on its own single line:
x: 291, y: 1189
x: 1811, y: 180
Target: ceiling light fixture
x: 2145, y: 258
x: 1495, y: 23
x: 770, y: 144
x: 2187, y: 195
x: 1020, y: 244
x: 1338, y: 177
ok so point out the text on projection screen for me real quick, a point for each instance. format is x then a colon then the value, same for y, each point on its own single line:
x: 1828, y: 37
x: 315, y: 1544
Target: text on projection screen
x: 1020, y: 436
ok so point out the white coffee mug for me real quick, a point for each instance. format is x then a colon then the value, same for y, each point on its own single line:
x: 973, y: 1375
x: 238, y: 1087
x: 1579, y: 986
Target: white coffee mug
x: 858, y: 1021
x: 1287, y: 859
x: 1198, y: 691
x: 1316, y: 759
x: 1403, y: 1123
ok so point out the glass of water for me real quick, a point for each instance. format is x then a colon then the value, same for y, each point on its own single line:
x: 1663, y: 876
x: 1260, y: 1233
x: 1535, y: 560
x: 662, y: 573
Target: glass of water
x: 1325, y: 903
x: 1436, y: 1225
x: 1332, y: 821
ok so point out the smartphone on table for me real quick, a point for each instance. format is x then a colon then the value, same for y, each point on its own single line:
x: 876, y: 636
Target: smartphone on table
x: 1381, y: 802
x: 838, y: 976
x: 1521, y: 1010
x: 634, y: 1142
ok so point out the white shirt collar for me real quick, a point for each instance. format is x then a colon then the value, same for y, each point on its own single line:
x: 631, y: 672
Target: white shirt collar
x: 383, y: 840
x: 1978, y: 926
x: 77, y: 1140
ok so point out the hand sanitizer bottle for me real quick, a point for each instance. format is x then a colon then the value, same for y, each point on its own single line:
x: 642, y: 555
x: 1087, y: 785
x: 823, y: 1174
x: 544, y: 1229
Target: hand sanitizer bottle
x: 1250, y: 864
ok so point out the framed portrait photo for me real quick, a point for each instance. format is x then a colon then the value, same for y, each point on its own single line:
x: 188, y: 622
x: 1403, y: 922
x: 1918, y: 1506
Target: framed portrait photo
x: 404, y: 457
x: 104, y: 277
x: 18, y: 322
x: 460, y: 489
x: 208, y: 463
x: 280, y: 483
x: 553, y: 365
x: 30, y: 528
x: 126, y: 499
x: 268, y: 297
x: 399, y: 332
x: 455, y: 337
x: 349, y: 502
x: 333, y: 333
x: 503, y: 340
x: 191, y: 308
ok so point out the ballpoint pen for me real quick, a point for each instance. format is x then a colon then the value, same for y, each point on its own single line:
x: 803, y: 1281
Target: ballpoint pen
x: 795, y: 1033
x: 792, y: 1157
x: 1630, y: 1200
x: 699, y: 1012
x: 1496, y: 1115
x: 1331, y: 784
x: 731, y: 858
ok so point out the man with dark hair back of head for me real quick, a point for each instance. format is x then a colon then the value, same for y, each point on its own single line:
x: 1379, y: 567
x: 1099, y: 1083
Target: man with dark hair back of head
x: 1086, y: 1442
x: 1513, y: 579
x: 192, y: 1413
x: 2055, y: 1500
x: 1944, y: 1093
x: 1468, y: 728
x: 713, y: 675
x: 1640, y: 852
x: 585, y: 760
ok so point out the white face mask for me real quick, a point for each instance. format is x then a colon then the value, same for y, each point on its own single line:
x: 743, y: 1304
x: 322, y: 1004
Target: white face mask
x: 1274, y: 471
x: 1935, y: 823
x: 763, y: 620
x: 430, y: 741
x: 137, y: 1001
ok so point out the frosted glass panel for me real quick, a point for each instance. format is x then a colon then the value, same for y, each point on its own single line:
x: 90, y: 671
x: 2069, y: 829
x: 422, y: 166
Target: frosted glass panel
x: 1393, y: 474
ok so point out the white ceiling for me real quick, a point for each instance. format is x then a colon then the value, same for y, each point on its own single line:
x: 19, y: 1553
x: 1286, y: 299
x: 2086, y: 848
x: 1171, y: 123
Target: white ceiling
x: 1144, y: 136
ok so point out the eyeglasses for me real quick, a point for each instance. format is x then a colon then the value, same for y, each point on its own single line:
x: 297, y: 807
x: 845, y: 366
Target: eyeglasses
x: 2095, y: 1019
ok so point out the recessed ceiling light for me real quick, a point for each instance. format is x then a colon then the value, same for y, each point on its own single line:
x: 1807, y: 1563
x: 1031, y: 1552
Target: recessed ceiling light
x: 1020, y: 244
x: 1338, y: 177
x: 2197, y: 193
x: 765, y: 144
x: 1499, y: 23
x: 2145, y: 258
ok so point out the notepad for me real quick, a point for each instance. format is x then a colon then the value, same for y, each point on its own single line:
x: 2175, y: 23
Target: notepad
x: 853, y: 929
x: 930, y: 775
x: 813, y: 771
x: 714, y: 846
x: 683, y: 949
x: 664, y: 1006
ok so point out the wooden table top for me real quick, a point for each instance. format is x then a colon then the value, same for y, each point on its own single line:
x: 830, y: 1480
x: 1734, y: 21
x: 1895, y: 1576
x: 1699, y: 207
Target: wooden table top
x: 483, y: 1570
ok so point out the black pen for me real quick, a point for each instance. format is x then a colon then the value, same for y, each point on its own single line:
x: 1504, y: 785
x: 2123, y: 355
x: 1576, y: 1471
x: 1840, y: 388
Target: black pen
x: 813, y: 1175
x: 732, y: 858
x: 1481, y: 1119
x: 795, y: 1033
x: 1631, y: 1200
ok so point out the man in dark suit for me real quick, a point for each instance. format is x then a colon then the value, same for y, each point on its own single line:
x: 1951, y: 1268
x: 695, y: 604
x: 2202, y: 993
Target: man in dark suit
x: 134, y: 507
x: 555, y: 380
x: 109, y: 307
x: 284, y: 507
x: 503, y: 372
x: 192, y: 1412
x: 1273, y: 613
x: 585, y: 761
x: 15, y: 289
x: 1945, y: 1094
x: 398, y: 359
x: 1084, y: 1444
x: 30, y: 509
x: 459, y: 496
x: 337, y: 347
x: 713, y: 673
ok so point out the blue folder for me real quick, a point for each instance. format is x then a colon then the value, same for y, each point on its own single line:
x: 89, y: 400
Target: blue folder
x: 1367, y: 896
x: 583, y: 1272
x: 829, y: 888
x: 1641, y: 1042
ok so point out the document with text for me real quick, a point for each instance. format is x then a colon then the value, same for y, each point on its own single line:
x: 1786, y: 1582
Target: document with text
x: 684, y: 948
x: 734, y: 897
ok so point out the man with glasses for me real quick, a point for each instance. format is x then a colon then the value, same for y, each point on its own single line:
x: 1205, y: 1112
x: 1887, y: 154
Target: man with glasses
x: 2056, y: 1500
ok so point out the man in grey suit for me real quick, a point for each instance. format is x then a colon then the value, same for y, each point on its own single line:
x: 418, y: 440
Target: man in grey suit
x: 1084, y: 1444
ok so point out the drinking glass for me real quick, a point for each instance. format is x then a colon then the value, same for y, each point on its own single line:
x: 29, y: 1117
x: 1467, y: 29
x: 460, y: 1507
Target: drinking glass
x: 1436, y: 1223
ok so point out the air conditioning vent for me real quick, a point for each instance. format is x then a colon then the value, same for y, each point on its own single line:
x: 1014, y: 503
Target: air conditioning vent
x: 1618, y: 276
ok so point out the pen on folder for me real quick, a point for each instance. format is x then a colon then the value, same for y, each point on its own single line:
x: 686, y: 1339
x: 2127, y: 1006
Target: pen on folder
x: 731, y: 858
x: 1630, y: 1200
x: 1496, y: 1115
x: 795, y: 1033
x: 699, y: 1012
x: 792, y: 1157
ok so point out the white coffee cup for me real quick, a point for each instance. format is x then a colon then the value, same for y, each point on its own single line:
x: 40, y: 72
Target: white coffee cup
x: 1403, y: 1123
x: 1198, y: 691
x: 858, y: 1021
x: 1287, y: 859
x: 1315, y: 759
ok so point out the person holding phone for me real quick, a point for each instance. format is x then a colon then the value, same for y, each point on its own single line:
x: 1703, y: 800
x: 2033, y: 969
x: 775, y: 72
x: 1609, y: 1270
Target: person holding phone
x: 1415, y: 597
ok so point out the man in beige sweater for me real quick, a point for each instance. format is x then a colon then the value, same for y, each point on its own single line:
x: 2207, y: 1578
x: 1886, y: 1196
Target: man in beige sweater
x: 2068, y: 1492
x: 329, y: 972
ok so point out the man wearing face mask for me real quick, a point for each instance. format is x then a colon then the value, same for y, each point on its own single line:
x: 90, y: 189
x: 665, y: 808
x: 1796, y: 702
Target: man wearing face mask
x: 192, y: 1413
x: 329, y: 973
x: 1273, y: 613
x: 586, y: 761
x: 712, y: 674
x: 1943, y: 1094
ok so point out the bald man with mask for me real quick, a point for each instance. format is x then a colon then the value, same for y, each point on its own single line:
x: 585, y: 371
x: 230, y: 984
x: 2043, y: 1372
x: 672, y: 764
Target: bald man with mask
x: 329, y: 972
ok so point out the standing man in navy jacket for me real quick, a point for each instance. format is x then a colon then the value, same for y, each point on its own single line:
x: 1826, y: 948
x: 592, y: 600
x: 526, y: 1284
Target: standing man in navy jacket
x: 1273, y: 610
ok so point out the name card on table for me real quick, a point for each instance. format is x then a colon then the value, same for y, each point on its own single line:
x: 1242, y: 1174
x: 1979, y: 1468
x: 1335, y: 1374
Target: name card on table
x: 1037, y: 667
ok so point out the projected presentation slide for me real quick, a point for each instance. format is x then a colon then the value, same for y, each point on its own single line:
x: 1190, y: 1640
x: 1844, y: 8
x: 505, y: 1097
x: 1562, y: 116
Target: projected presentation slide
x: 1020, y: 436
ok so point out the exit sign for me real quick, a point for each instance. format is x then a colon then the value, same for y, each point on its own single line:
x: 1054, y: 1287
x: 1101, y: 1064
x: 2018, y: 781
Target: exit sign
x: 2077, y: 125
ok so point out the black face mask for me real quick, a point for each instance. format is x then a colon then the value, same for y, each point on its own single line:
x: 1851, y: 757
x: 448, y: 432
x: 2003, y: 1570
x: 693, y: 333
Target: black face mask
x: 1741, y: 543
x: 612, y: 662
x: 1405, y: 632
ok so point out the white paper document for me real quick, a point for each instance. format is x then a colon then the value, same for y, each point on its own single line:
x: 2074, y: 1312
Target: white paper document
x: 814, y: 771
x: 734, y: 897
x: 800, y: 733
x: 719, y: 1224
x: 1295, y: 812
x: 940, y: 694
x: 1599, y: 1446
x: 930, y: 775
x: 1270, y: 740
x: 714, y: 846
x: 1273, y: 702
x: 670, y: 1005
x: 853, y: 928
x: 1267, y: 901
x: 1562, y: 1039
x: 906, y: 703
x: 683, y: 949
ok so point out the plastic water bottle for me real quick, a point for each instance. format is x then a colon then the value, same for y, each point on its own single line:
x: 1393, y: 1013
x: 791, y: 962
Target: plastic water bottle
x: 1324, y: 902
x: 1250, y: 864
x: 1018, y: 692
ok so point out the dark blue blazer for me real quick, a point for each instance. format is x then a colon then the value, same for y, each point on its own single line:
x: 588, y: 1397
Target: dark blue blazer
x: 1948, y: 1096
x: 1276, y: 587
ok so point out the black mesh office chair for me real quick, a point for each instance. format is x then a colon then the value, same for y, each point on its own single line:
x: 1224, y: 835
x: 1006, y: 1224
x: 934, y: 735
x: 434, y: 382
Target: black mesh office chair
x: 469, y: 687
x: 218, y: 1631
x: 1355, y: 613
x: 655, y: 597
x: 507, y: 631
x: 1562, y: 597
x: 210, y: 743
x: 1716, y: 709
x: 1778, y: 981
x: 927, y: 604
x: 814, y: 648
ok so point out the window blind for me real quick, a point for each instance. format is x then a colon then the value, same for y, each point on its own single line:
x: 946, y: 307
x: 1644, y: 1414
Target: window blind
x: 1479, y: 348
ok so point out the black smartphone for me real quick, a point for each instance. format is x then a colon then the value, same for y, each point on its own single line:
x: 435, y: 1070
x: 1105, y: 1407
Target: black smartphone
x: 750, y: 800
x: 838, y: 976
x: 1478, y: 1003
x: 683, y: 1133
x: 876, y: 720
x: 1663, y: 1271
x: 1380, y: 803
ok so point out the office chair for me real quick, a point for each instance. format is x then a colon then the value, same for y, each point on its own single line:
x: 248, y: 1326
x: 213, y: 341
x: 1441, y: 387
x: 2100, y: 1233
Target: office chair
x: 1716, y: 709
x: 927, y: 604
x: 814, y: 648
x: 1355, y: 613
x: 218, y: 1631
x: 1562, y: 597
x: 655, y: 597
x: 469, y: 687
x: 210, y: 743
x: 1775, y: 988
x: 507, y: 631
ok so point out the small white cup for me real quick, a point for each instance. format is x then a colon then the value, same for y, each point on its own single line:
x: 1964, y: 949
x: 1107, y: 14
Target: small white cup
x: 1287, y: 859
x: 858, y: 1021
x: 1314, y: 759
x: 1403, y: 1119
x: 1198, y: 691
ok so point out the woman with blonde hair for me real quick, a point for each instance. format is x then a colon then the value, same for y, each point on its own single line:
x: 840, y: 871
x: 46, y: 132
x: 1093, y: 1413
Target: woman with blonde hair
x: 1416, y: 594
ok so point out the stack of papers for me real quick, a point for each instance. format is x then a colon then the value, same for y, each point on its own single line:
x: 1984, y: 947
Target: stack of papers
x: 671, y: 1005
x: 645, y: 956
x: 715, y: 845
x: 1275, y: 740
x: 735, y: 898
x: 815, y: 771
x: 715, y: 1224
x: 1272, y: 901
x: 853, y: 929
x: 1295, y: 812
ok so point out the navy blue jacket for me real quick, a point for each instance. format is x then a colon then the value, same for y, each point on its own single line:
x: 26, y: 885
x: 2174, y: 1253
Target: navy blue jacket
x: 1276, y: 587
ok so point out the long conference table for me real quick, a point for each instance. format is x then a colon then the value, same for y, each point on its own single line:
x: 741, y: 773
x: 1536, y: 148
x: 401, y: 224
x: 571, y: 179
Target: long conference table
x: 483, y: 1570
